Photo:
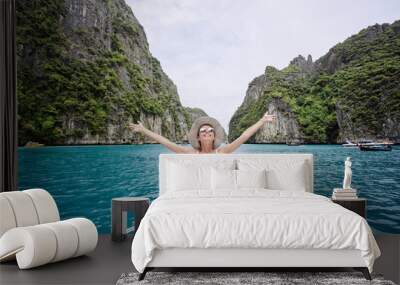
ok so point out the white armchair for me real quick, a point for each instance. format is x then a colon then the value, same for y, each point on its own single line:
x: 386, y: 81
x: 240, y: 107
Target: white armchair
x: 32, y: 233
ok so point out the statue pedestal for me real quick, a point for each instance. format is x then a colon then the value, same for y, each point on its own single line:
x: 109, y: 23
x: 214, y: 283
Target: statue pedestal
x: 339, y: 193
x: 344, y: 190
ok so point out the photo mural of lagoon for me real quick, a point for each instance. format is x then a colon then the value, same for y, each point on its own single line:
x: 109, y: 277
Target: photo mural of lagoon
x: 84, y: 179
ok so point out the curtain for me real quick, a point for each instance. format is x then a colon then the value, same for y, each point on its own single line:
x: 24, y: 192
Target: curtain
x: 8, y: 98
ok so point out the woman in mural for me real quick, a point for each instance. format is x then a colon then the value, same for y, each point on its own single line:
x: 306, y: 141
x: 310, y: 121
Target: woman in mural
x: 206, y: 135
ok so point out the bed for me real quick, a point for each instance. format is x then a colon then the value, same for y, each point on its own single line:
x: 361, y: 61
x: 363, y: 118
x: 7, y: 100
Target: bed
x: 247, y: 210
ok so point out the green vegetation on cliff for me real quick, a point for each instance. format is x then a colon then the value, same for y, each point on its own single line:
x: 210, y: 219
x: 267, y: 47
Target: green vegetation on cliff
x: 353, y: 92
x: 70, y: 83
x: 306, y: 98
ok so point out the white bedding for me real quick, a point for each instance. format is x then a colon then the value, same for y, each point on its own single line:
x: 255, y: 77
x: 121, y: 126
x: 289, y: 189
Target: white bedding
x: 252, y: 218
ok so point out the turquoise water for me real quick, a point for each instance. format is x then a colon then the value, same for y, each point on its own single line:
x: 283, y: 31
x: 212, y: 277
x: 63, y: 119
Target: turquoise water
x: 84, y: 179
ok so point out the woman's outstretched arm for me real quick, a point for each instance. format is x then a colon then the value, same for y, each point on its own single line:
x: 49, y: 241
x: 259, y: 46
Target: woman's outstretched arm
x: 247, y: 134
x: 160, y: 139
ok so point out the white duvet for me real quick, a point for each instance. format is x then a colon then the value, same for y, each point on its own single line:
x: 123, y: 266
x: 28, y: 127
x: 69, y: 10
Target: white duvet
x: 253, y: 218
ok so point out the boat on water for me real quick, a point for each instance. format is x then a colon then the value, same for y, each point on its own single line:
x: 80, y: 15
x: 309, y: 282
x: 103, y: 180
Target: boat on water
x: 349, y: 144
x: 369, y: 145
x: 366, y: 142
x: 376, y: 147
x: 294, y: 142
x: 33, y: 144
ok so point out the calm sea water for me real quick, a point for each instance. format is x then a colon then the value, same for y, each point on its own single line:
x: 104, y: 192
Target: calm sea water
x: 84, y: 179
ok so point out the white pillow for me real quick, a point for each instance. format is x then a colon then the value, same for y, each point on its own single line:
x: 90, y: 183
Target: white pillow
x: 282, y: 174
x: 294, y: 179
x: 223, y: 179
x: 182, y: 177
x: 251, y: 178
x: 190, y: 175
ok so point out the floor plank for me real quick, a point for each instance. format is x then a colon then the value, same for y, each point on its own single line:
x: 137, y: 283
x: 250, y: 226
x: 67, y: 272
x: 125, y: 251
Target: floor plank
x: 111, y: 259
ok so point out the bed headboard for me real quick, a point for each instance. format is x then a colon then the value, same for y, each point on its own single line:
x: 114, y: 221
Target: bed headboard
x: 272, y: 158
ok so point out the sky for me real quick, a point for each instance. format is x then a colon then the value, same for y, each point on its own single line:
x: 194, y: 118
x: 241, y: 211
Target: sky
x: 212, y: 49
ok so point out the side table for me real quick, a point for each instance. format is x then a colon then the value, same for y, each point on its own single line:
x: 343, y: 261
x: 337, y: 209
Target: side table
x: 119, y: 215
x: 358, y: 205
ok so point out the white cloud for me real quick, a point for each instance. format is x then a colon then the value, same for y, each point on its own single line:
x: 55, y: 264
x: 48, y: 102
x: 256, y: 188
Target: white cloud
x: 212, y: 49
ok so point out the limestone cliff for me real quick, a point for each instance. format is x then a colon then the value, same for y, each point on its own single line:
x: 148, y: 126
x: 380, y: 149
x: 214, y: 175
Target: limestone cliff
x: 349, y: 93
x: 266, y: 92
x: 85, y: 71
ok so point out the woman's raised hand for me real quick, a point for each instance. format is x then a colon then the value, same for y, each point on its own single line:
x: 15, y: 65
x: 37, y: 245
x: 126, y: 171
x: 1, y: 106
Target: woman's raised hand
x: 268, y: 118
x: 136, y: 127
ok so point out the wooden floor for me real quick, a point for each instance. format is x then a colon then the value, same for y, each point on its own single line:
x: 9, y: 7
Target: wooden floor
x: 111, y: 259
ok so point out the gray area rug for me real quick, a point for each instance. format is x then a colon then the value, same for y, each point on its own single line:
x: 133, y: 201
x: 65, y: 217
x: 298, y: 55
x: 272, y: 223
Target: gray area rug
x: 226, y: 278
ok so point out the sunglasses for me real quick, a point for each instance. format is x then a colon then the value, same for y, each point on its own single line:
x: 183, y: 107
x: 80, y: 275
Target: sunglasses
x: 205, y: 130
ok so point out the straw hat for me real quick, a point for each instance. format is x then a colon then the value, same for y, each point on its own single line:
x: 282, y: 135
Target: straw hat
x: 219, y: 133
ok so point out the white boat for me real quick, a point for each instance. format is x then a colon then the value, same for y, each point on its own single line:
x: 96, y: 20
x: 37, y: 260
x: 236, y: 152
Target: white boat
x: 368, y: 145
x: 366, y: 142
x: 349, y: 144
x: 373, y: 143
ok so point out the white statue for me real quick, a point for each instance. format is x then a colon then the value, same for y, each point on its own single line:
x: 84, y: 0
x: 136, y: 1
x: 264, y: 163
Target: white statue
x: 347, y: 174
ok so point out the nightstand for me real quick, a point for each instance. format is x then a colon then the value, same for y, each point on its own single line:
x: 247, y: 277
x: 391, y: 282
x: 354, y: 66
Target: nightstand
x: 119, y: 215
x: 358, y: 205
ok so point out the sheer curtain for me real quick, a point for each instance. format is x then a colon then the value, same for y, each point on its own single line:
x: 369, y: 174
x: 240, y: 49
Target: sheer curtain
x: 8, y: 98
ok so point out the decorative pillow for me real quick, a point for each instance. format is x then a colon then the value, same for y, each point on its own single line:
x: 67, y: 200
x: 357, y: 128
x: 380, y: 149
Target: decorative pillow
x: 223, y: 179
x: 294, y: 179
x: 189, y: 175
x: 251, y: 178
x: 282, y: 174
x: 182, y: 177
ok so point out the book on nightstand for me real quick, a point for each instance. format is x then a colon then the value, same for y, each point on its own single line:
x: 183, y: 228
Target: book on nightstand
x: 344, y: 194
